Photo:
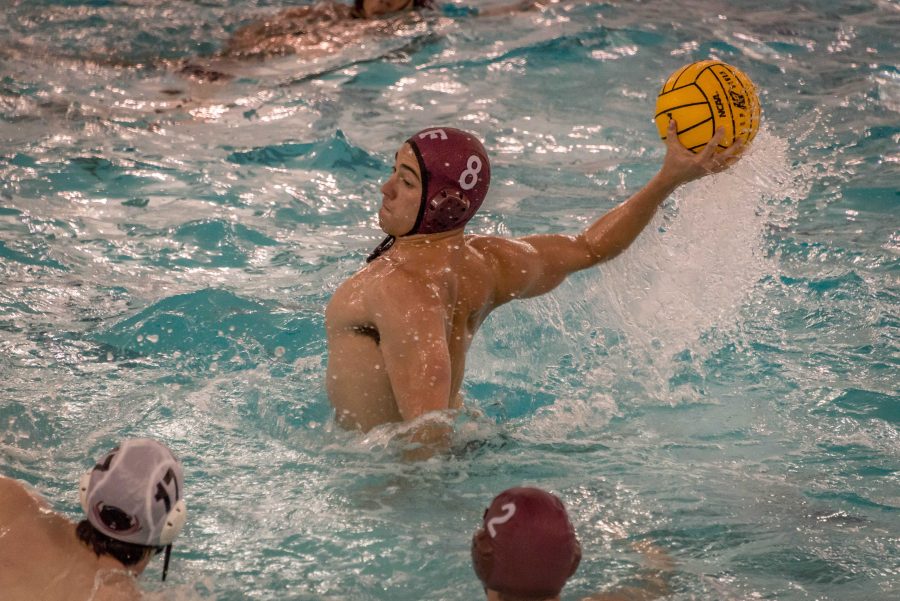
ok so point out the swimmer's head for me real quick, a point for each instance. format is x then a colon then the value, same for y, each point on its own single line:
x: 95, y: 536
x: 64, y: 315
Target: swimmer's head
x: 372, y: 8
x: 456, y: 174
x: 526, y: 547
x: 135, y: 494
x: 445, y: 174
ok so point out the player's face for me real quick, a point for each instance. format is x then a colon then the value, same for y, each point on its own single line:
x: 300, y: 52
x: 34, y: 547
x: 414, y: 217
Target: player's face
x: 401, y: 194
x: 373, y: 8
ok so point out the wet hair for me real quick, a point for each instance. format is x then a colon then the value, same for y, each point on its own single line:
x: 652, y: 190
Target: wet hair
x: 128, y: 554
x: 358, y: 6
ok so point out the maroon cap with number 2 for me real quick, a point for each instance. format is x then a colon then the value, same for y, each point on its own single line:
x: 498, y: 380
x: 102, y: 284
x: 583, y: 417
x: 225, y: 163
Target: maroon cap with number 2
x: 526, y: 545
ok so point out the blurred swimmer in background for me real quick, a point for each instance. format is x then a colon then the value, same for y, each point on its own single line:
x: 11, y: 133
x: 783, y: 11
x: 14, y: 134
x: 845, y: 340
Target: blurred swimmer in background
x: 319, y: 28
x: 324, y: 29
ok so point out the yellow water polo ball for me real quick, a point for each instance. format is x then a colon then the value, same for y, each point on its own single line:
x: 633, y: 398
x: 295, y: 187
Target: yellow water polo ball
x: 703, y: 96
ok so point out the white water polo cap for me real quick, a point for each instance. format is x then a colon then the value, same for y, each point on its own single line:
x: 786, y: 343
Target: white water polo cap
x: 135, y: 494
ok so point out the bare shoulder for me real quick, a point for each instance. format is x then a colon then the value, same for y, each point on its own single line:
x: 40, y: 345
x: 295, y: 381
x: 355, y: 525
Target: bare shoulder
x: 514, y: 264
x: 497, y: 247
x: 505, y: 256
x: 116, y: 586
x: 394, y: 282
x: 367, y: 294
x: 16, y: 496
x: 10, y: 492
x: 8, y: 485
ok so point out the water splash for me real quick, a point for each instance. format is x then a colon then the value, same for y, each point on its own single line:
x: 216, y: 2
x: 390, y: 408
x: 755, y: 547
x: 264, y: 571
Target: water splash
x: 691, y: 271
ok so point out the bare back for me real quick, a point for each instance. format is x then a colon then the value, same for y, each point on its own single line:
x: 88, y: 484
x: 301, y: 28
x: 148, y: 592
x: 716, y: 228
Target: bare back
x: 437, y: 296
x: 41, y: 558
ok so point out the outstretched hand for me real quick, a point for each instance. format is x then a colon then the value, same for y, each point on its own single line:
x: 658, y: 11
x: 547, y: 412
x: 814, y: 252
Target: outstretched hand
x: 682, y: 166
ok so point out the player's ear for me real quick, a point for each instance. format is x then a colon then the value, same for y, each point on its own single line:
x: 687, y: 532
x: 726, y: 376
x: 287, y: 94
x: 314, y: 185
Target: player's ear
x: 448, y: 208
x: 576, y: 558
x: 482, y: 554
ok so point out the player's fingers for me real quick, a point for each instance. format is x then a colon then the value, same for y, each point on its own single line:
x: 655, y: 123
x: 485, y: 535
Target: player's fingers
x: 736, y: 148
x: 671, y: 133
x: 732, y: 153
x: 712, y: 145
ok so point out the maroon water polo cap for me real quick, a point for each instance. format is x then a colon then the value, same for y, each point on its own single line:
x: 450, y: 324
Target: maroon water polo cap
x: 526, y: 545
x: 455, y: 174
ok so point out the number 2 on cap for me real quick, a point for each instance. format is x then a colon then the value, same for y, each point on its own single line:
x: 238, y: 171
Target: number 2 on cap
x: 509, y: 510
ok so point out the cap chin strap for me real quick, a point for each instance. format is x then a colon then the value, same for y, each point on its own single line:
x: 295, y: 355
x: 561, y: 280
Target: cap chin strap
x: 175, y: 520
x: 381, y: 248
x: 166, y: 561
x: 452, y: 204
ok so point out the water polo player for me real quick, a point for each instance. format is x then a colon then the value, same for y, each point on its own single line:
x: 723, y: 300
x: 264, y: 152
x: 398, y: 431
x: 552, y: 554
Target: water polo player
x: 133, y: 499
x: 526, y: 550
x: 399, y: 329
x: 526, y: 546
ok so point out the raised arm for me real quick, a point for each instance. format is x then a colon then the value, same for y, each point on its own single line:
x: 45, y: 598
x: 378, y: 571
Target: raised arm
x: 534, y: 265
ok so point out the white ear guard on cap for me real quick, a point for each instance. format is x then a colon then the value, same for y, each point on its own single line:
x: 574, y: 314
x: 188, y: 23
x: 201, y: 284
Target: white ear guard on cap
x: 83, y: 484
x: 174, y: 523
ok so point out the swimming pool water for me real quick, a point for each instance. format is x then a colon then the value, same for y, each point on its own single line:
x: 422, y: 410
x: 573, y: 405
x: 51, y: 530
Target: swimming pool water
x: 727, y: 388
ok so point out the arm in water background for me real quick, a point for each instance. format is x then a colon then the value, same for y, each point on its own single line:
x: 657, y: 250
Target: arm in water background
x: 654, y: 577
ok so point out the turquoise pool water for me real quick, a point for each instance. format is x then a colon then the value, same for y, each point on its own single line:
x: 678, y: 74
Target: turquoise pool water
x: 728, y: 388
